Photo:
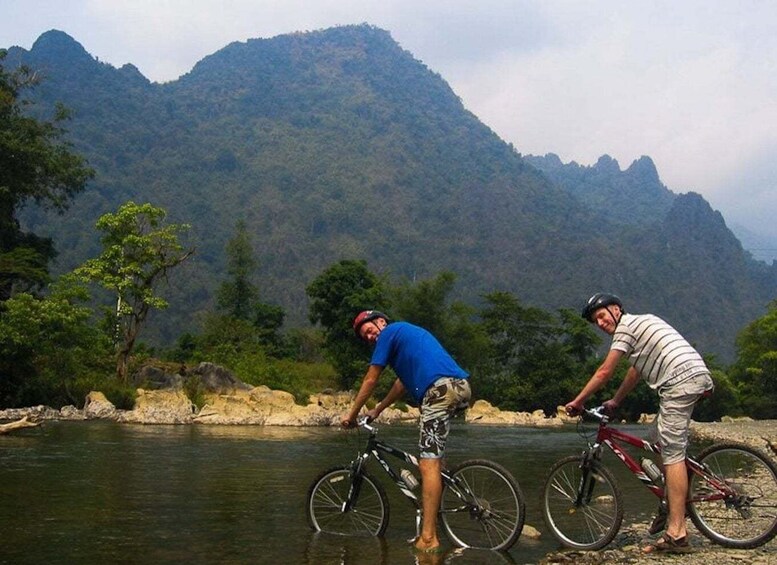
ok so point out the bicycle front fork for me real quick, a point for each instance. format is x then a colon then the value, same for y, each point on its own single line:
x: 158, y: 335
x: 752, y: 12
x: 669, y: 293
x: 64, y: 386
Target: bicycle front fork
x: 356, y: 485
x: 587, y: 478
x: 418, y: 518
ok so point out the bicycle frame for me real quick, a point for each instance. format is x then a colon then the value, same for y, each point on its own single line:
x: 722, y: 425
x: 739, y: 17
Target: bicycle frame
x: 610, y: 437
x: 376, y: 449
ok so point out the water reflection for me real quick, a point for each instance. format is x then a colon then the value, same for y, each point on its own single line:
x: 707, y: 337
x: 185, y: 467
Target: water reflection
x: 264, y: 433
x: 229, y: 432
x: 327, y: 549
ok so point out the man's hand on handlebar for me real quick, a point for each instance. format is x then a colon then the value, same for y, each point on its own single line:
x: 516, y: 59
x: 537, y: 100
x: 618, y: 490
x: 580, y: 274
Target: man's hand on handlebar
x: 610, y: 407
x: 347, y: 422
x: 574, y: 408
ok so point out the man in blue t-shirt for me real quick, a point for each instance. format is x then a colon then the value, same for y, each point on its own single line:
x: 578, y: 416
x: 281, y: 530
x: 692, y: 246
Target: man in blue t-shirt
x: 435, y: 381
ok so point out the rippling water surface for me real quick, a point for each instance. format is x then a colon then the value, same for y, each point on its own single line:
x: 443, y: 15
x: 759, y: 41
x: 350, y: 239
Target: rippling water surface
x: 97, y: 492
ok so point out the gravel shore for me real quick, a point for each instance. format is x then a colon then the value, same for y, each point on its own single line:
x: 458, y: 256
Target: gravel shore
x: 758, y: 433
x: 626, y: 548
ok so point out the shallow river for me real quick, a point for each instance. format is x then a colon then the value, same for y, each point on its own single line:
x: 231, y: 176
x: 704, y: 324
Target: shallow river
x: 96, y: 492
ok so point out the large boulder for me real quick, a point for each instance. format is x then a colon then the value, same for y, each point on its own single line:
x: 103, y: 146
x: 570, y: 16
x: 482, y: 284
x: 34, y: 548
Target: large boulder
x: 261, y: 405
x: 217, y: 379
x: 98, y: 406
x: 160, y: 407
x: 155, y: 378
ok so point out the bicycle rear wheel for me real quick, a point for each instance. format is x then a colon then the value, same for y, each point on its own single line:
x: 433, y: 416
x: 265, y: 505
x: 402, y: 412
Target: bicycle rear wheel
x: 485, y: 509
x: 369, y: 512
x: 747, y: 517
x: 592, y: 521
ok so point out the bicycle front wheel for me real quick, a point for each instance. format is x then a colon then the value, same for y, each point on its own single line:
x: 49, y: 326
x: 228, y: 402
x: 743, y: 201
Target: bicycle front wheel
x: 369, y: 511
x: 583, y: 509
x: 484, y: 508
x: 747, y: 516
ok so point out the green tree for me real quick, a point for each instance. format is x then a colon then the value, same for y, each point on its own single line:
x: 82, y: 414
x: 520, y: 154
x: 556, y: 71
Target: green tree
x: 427, y: 304
x: 49, y: 347
x: 755, y: 369
x: 531, y: 362
x: 139, y: 252
x: 236, y: 295
x: 36, y: 164
x: 336, y: 296
x: 238, y: 302
x: 267, y: 320
x: 580, y: 339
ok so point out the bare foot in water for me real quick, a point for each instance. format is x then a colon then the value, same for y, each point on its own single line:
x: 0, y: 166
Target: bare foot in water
x: 428, y: 546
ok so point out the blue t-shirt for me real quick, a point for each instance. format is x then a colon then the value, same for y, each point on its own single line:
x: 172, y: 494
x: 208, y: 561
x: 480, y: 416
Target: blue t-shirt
x: 416, y: 356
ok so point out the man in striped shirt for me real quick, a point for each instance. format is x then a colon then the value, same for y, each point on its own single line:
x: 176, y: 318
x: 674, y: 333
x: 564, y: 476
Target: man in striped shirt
x: 671, y: 367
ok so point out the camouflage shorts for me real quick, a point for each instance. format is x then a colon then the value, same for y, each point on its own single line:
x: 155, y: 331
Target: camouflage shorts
x: 446, y: 397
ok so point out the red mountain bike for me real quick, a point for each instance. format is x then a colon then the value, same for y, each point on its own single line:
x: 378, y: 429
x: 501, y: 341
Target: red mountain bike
x: 732, y: 494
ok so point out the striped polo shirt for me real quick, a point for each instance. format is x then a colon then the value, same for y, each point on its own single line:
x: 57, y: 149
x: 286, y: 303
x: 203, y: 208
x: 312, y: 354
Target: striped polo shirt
x: 656, y: 350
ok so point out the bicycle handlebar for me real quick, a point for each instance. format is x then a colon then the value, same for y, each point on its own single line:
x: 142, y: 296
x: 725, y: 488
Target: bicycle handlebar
x: 596, y: 414
x: 364, y: 422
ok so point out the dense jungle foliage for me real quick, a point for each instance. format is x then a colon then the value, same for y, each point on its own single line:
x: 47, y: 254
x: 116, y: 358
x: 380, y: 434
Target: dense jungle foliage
x: 338, y: 144
x: 322, y: 174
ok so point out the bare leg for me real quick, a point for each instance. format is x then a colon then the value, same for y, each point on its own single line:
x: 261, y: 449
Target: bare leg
x: 431, y: 482
x: 677, y: 494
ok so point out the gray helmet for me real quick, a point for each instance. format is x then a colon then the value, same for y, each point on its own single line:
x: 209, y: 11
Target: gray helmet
x: 600, y: 300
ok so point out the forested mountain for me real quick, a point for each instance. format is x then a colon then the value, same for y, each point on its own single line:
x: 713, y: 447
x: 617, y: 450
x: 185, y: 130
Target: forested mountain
x: 635, y: 196
x: 338, y: 144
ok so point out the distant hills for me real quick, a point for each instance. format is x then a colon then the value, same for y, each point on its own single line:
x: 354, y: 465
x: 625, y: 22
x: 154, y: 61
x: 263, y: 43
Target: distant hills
x: 339, y: 144
x: 637, y: 195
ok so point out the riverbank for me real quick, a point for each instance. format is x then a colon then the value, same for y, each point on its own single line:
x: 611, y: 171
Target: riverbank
x: 761, y: 434
x: 627, y: 549
x: 257, y: 406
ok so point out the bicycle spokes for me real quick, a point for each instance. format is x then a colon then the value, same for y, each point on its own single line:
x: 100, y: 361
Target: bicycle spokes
x: 482, y: 507
x: 734, y: 500
x: 582, y: 506
x: 337, y: 508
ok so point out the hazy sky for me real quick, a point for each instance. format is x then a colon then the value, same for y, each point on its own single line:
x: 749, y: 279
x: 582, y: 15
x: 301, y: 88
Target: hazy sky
x: 691, y: 83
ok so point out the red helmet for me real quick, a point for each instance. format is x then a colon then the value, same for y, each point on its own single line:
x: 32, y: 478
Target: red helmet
x: 366, y: 316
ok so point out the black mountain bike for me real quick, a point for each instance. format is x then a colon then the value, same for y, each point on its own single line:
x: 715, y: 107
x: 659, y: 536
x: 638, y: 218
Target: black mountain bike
x: 732, y: 491
x: 482, y: 505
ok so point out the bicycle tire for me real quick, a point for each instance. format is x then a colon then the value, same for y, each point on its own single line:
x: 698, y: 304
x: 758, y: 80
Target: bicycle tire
x: 369, y: 514
x: 744, y: 521
x: 594, y: 523
x: 494, y: 519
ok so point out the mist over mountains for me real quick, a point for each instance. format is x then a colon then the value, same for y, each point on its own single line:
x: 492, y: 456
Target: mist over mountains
x: 339, y: 144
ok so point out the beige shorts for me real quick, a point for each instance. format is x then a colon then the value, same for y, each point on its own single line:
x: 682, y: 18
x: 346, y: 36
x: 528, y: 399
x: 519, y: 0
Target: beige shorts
x: 674, y: 416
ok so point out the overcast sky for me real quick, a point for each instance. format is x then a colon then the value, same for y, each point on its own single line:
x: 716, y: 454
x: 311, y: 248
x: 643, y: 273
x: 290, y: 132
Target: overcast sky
x: 690, y: 83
